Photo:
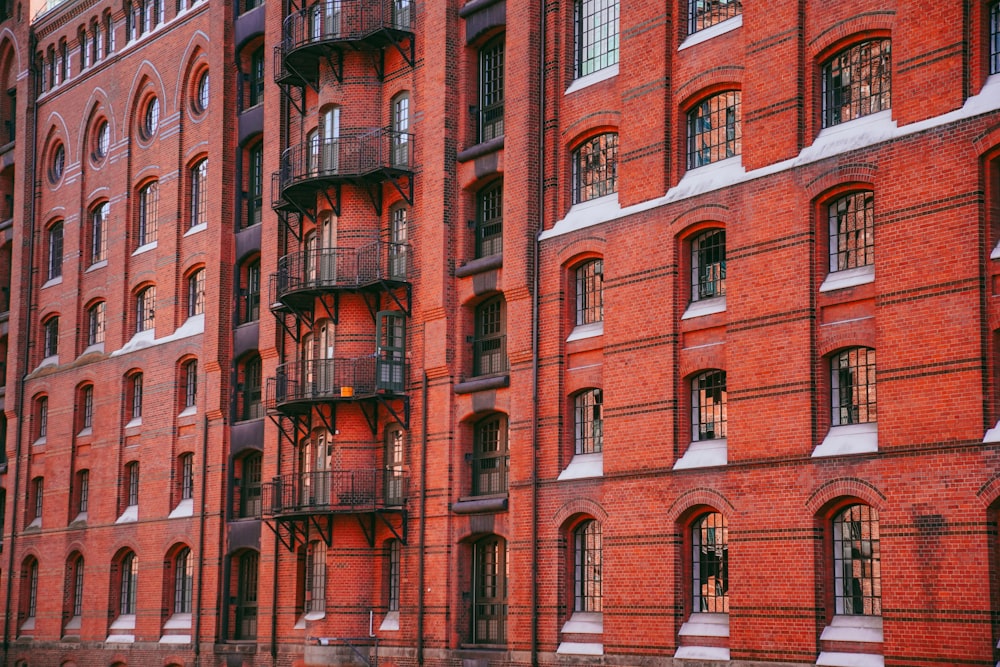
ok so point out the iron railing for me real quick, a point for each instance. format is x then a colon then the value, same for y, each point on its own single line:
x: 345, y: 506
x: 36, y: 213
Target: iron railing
x: 355, y: 153
x: 345, y: 21
x: 363, y: 490
x: 489, y: 356
x: 489, y: 475
x: 327, y: 379
x: 321, y: 268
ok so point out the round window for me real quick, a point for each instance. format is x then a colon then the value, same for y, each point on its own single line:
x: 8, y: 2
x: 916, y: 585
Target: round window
x: 201, y: 101
x: 152, y: 119
x: 58, y: 164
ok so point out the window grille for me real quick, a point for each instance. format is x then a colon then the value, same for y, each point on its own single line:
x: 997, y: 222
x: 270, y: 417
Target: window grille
x: 489, y: 221
x: 132, y: 471
x: 595, y: 168
x: 183, y: 581
x: 588, y: 406
x: 55, y: 251
x: 199, y: 194
x: 852, y: 380
x: 95, y: 323
x: 596, y: 35
x: 490, y: 341
x: 400, y: 131
x: 316, y: 577
x: 491, y: 91
x: 250, y: 486
x: 43, y: 417
x: 187, y: 477
x: 852, y: 231
x: 398, y: 249
x: 857, y: 567
x: 491, y: 457
x: 708, y: 265
x: 857, y: 82
x: 83, y: 479
x: 196, y: 293
x: 587, y: 568
x: 590, y: 292
x: 190, y: 384
x: 489, y: 606
x: 256, y: 83
x: 251, y: 310
x: 392, y: 556
x: 32, y: 588
x: 39, y: 497
x: 146, y: 227
x: 710, y: 564
x: 715, y: 129
x: 137, y: 396
x: 129, y: 582
x: 99, y: 233
x: 78, y: 586
x: 145, y: 309
x: 705, y: 13
x: 708, y: 406
x: 250, y: 391
x: 88, y: 407
x: 51, y: 342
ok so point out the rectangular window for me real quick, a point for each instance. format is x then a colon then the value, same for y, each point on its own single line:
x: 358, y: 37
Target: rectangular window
x: 852, y: 386
x: 51, y: 343
x: 590, y: 292
x: 489, y: 221
x: 491, y: 457
x: 255, y: 184
x: 83, y: 480
x: 43, y: 417
x: 595, y: 168
x: 995, y: 38
x: 491, y: 71
x: 255, y: 84
x: 78, y: 587
x: 145, y: 314
x: 187, y: 477
x: 852, y: 231
x: 393, y: 567
x: 39, y: 497
x: 589, y: 421
x: 55, y: 252
x: 95, y: 324
x: 190, y: 384
x: 146, y: 228
x: 715, y: 129
x: 705, y: 13
x: 596, y: 35
x: 32, y: 589
x: 132, y: 470
x: 199, y: 194
x: 857, y: 82
x: 99, y: 234
x: 137, y: 396
x: 196, y: 293
x: 87, y: 410
x: 316, y: 577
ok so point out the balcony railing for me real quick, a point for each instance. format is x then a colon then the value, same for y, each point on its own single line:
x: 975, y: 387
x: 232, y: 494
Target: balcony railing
x: 491, y: 122
x: 345, y: 21
x: 489, y: 475
x: 356, y: 153
x: 345, y: 268
x: 364, y: 490
x: 318, y: 380
x: 489, y: 356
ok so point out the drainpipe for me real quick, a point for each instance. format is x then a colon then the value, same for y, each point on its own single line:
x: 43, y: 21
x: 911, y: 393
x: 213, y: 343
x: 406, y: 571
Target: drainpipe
x: 534, y: 339
x: 19, y: 431
x: 423, y: 514
x: 201, y: 534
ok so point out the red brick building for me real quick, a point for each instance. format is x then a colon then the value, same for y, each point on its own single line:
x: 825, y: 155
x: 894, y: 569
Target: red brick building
x: 396, y: 332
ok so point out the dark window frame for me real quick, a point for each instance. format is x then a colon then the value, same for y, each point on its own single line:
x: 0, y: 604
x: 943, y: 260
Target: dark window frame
x: 853, y: 386
x: 588, y: 421
x: 595, y: 167
x: 857, y: 563
x: 596, y: 36
x: 708, y: 405
x: 715, y: 129
x: 588, y: 587
x: 851, y: 220
x: 849, y: 77
x: 491, y: 455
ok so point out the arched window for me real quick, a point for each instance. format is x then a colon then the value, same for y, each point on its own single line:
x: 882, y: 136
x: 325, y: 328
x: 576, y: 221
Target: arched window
x: 186, y: 464
x: 595, y: 167
x: 708, y: 265
x: 587, y: 574
x: 857, y: 82
x: 42, y: 417
x: 857, y: 565
x: 145, y: 309
x: 710, y: 564
x: 134, y: 396
x: 394, y: 491
x: 74, y: 592
x: 590, y: 292
x: 96, y: 315
x: 50, y: 344
x: 588, y: 421
x: 708, y: 406
x: 55, y: 252
x: 183, y: 581
x: 491, y: 89
x: 189, y: 377
x: 146, y: 222
x: 128, y: 583
x: 196, y: 293
x: 490, y: 456
x: 489, y: 591
x: 401, y: 130
x: 852, y: 231
x: 99, y: 231
x: 86, y: 406
x: 715, y: 129
x: 199, y: 193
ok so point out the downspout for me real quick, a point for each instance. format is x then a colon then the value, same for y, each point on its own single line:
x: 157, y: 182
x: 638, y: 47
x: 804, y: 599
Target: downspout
x: 534, y: 338
x: 423, y: 527
x: 32, y: 165
x: 201, y: 535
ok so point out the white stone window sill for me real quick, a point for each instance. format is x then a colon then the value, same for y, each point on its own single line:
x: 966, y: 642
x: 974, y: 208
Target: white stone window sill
x: 52, y: 281
x: 144, y: 248
x: 130, y: 515
x: 704, y: 454
x: 390, y: 622
x: 582, y: 82
x: 197, y: 228
x: 49, y: 361
x: 184, y: 508
x: 854, y: 628
x: 712, y: 31
x: 856, y: 133
x: 581, y: 331
x: 188, y: 411
x: 73, y: 624
x: 178, y: 622
x: 96, y: 347
x: 584, y: 465
x: 29, y: 624
x: 580, y: 648
x: 705, y: 307
x: 314, y: 615
x: 97, y: 265
x: 79, y: 518
x: 837, y: 659
x: 120, y: 627
x: 175, y: 639
x: 39, y: 442
x: 36, y: 522
x: 85, y: 432
x: 584, y: 623
x: 849, y: 439
x: 993, y: 435
x: 701, y: 653
x: 701, y: 624
x: 861, y: 275
x: 134, y: 423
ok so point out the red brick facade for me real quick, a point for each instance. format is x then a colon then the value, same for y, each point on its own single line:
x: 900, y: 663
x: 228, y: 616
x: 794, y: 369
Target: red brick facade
x: 500, y: 332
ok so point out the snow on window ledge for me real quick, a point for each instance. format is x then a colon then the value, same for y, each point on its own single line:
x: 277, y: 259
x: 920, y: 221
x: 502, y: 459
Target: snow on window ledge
x: 119, y: 628
x: 73, y: 624
x: 130, y: 515
x: 584, y: 623
x: 705, y: 307
x: 96, y: 347
x: 581, y: 331
x: 40, y: 441
x: 49, y: 361
x: 713, y: 31
x: 193, y: 326
x: 854, y: 628
x: 704, y: 454
x: 390, y: 622
x: 29, y: 624
x: 860, y: 275
x: 582, y: 466
x: 856, y: 133
x: 849, y: 439
x: 594, y: 77
x: 134, y: 423
x: 35, y: 523
x: 184, y: 508
x: 79, y: 519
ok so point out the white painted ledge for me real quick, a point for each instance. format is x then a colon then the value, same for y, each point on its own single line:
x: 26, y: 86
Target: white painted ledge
x: 704, y: 454
x: 849, y: 439
x: 584, y: 623
x: 712, y: 31
x: 580, y: 648
x: 705, y: 307
x: 581, y: 331
x: 993, y: 435
x: 701, y: 653
x: 851, y: 628
x: 706, y: 625
x: 130, y: 515
x: 197, y: 228
x: 861, y: 275
x: 836, y: 659
x: 184, y: 508
x: 582, y: 82
x: 583, y: 466
x: 390, y: 622
x: 144, y: 248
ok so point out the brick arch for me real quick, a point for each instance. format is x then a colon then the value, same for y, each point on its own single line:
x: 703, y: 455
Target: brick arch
x: 700, y: 496
x: 579, y: 506
x: 704, y: 212
x: 988, y: 141
x: 589, y: 125
x: 853, y: 487
x: 195, y: 52
x: 146, y: 76
x: 579, y: 248
x: 849, y: 172
x: 855, y: 334
x: 98, y: 104
x: 712, y: 80
x: 857, y: 28
x: 989, y: 493
x: 10, y: 50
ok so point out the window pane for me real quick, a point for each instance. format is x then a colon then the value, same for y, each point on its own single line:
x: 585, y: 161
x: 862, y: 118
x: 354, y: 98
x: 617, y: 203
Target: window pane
x: 715, y: 130
x: 596, y: 35
x: 852, y: 380
x: 587, y: 568
x: 595, y: 168
x: 857, y: 82
x: 708, y: 265
x: 852, y: 231
x: 589, y: 421
x: 857, y: 567
x: 710, y: 564
x: 705, y: 13
x: 590, y: 292
x: 491, y: 92
x: 708, y: 406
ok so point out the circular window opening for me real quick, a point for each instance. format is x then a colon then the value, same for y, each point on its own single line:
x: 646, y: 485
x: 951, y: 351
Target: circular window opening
x: 201, y: 99
x: 58, y: 164
x: 102, y: 140
x: 151, y: 121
